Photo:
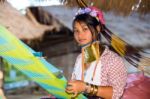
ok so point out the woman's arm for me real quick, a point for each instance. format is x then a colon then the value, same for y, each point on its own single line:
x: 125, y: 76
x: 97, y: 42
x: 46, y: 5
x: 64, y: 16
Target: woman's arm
x: 78, y: 86
x: 117, y: 75
x: 105, y: 92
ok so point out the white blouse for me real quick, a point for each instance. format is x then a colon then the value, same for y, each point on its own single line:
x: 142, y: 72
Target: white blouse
x: 77, y: 73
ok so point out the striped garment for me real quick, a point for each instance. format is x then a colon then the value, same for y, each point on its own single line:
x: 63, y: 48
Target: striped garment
x: 111, y: 72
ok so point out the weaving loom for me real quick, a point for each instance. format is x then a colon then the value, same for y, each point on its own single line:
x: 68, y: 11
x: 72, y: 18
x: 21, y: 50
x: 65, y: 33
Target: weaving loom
x: 30, y: 64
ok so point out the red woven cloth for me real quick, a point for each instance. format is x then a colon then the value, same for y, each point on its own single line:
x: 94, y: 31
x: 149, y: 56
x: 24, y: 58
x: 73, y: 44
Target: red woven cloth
x: 138, y: 87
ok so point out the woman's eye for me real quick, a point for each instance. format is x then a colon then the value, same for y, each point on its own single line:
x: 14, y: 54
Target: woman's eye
x: 85, y: 29
x: 75, y: 31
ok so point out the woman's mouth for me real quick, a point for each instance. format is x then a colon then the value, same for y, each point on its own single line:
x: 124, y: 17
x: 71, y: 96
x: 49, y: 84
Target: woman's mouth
x: 82, y: 40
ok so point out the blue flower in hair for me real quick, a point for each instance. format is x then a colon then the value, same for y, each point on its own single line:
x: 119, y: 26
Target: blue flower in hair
x: 83, y: 11
x: 87, y: 10
x: 93, y: 13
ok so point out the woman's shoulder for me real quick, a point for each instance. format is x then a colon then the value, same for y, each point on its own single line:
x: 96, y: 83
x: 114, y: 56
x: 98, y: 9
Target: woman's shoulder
x: 112, y: 60
x: 78, y: 58
x: 109, y: 55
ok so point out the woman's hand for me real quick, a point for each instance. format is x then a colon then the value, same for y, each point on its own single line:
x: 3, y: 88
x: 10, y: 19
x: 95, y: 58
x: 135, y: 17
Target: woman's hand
x: 75, y: 87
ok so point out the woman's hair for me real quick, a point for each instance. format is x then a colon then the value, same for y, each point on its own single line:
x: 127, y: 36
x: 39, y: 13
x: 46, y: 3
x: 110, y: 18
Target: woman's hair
x: 130, y: 53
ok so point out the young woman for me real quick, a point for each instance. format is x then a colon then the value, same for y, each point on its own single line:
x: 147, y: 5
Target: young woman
x: 98, y: 72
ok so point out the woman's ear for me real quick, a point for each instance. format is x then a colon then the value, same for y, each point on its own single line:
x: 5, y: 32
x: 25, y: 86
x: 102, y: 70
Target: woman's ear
x: 98, y: 28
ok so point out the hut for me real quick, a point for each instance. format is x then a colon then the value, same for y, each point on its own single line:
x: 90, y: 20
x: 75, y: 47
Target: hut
x: 42, y: 32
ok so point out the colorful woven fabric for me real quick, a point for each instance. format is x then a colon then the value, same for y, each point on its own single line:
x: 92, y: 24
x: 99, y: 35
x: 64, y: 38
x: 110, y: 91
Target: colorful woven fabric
x: 36, y: 68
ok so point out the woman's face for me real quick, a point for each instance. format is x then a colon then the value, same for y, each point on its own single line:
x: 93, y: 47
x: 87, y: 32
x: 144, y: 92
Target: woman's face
x: 82, y: 33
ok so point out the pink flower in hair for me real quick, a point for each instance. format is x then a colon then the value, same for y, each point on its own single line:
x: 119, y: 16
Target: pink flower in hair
x: 93, y: 11
x: 99, y: 14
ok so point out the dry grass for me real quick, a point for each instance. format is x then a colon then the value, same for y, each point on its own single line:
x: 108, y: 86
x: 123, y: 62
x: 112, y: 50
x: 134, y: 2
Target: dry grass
x: 2, y: 1
x: 18, y: 24
x: 123, y: 7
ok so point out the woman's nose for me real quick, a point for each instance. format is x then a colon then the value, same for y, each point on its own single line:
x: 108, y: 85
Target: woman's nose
x: 81, y: 34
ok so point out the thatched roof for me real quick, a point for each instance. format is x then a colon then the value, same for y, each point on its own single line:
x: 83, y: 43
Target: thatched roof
x: 20, y: 25
x: 124, y: 7
x: 37, y: 28
x: 2, y: 0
